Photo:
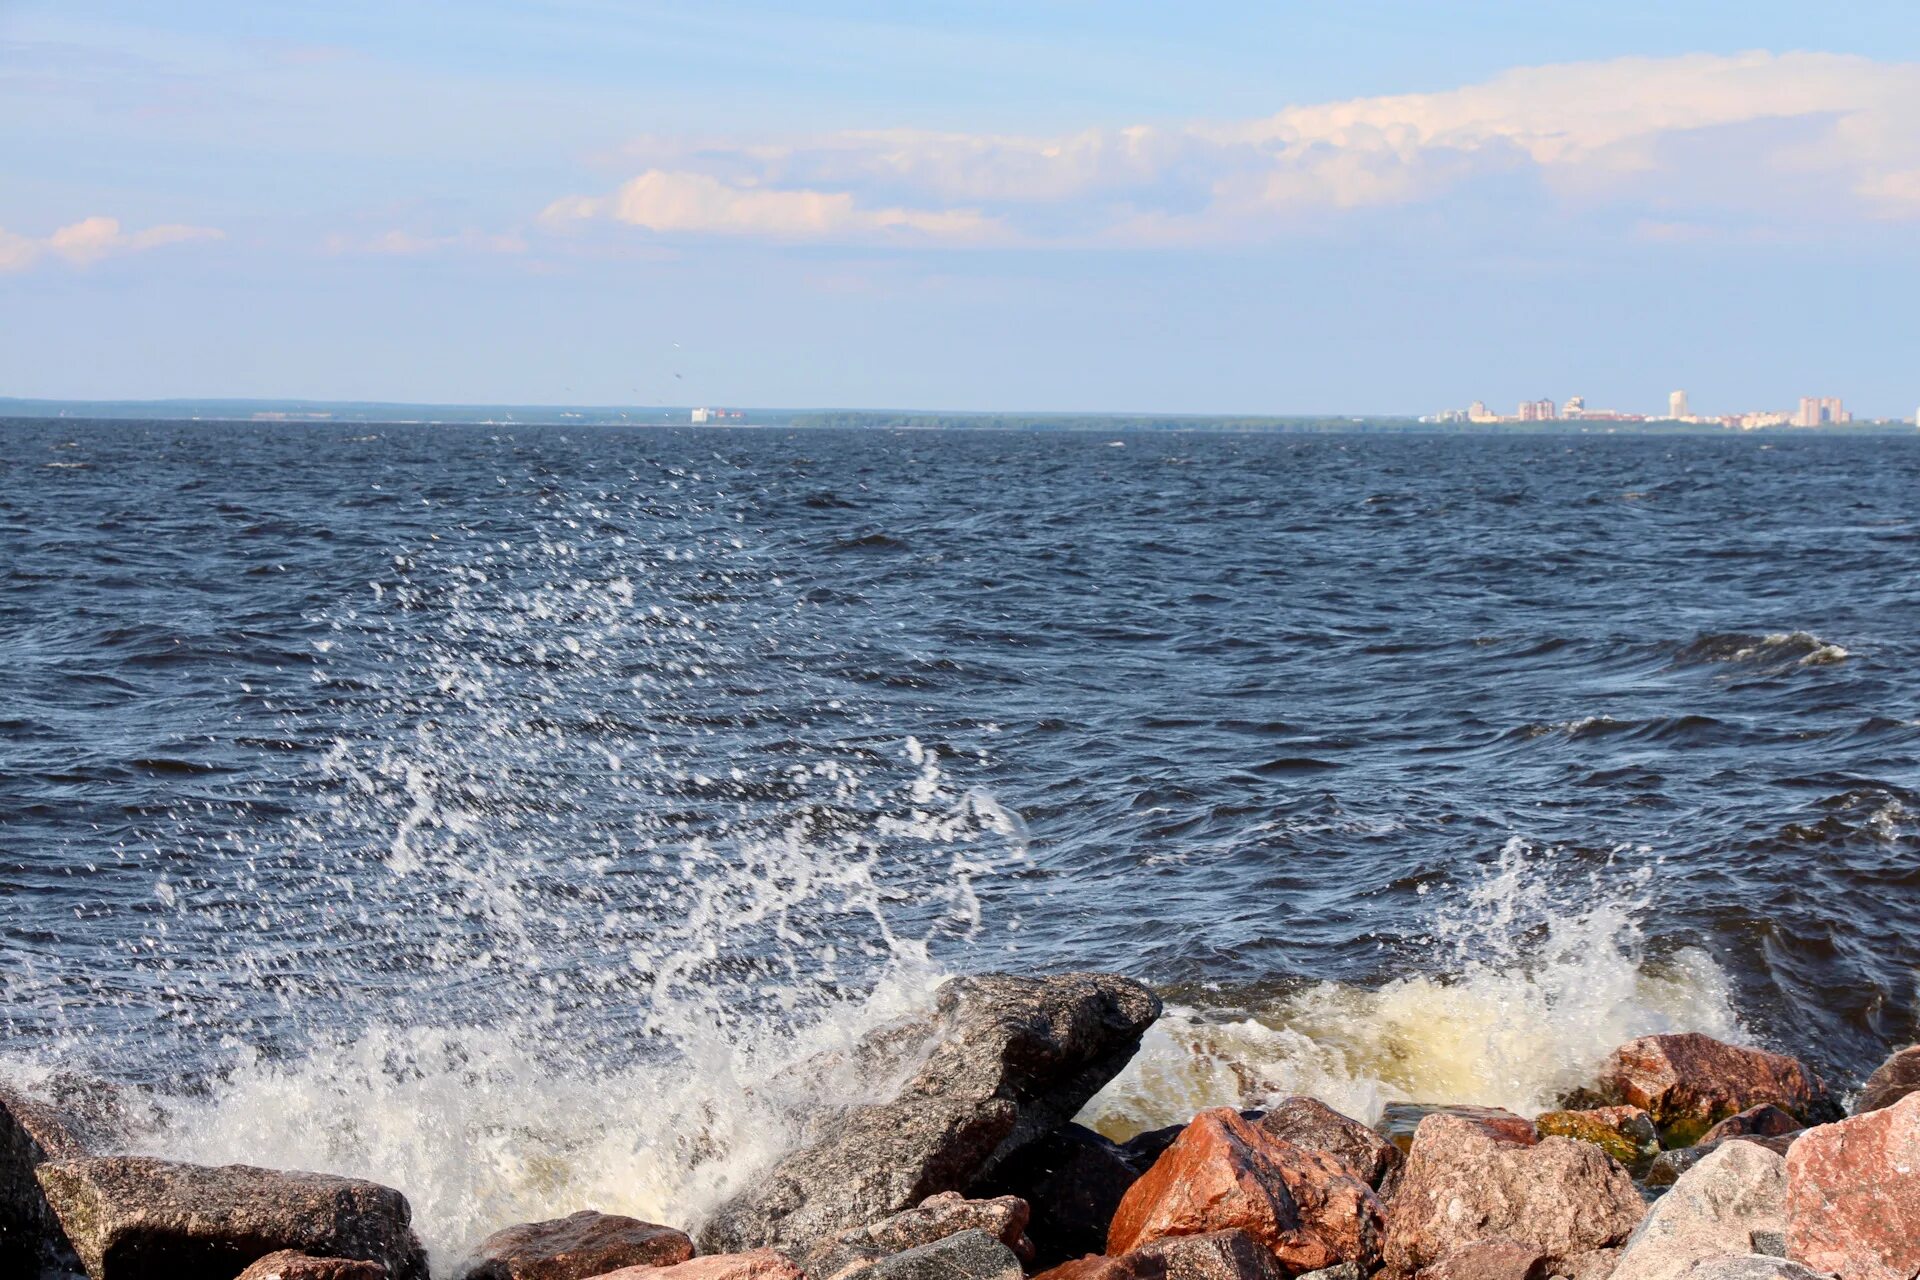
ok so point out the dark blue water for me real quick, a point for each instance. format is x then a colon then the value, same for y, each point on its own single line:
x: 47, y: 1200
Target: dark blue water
x: 314, y: 726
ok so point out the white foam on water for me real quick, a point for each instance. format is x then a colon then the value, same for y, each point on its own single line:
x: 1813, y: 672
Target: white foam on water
x: 1533, y: 979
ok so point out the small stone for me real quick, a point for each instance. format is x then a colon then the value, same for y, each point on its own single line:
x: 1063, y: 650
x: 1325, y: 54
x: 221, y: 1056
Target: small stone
x: 1401, y: 1120
x: 1853, y: 1195
x: 138, y: 1218
x: 756, y: 1264
x: 1891, y: 1081
x: 1493, y: 1259
x: 855, y: 1250
x: 1309, y: 1123
x: 572, y: 1248
x: 290, y: 1264
x: 1763, y: 1121
x: 966, y: 1255
x: 1462, y: 1184
x: 1625, y: 1133
x: 1715, y: 1208
x: 1770, y: 1242
x: 1688, y: 1082
x: 1226, y: 1172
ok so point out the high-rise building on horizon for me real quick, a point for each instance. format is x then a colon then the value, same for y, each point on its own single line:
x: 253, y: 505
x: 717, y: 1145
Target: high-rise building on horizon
x: 1576, y: 405
x: 1677, y: 406
x: 1538, y: 411
x: 1821, y: 411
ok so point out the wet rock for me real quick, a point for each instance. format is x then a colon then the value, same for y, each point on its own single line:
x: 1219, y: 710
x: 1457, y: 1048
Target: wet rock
x: 856, y: 1249
x: 1717, y: 1207
x: 966, y: 1255
x: 31, y: 1133
x: 1891, y: 1081
x: 1226, y: 1172
x: 1748, y: 1266
x: 1462, y: 1184
x: 1002, y: 1062
x: 580, y: 1245
x: 290, y: 1264
x: 1496, y: 1259
x: 1669, y: 1165
x: 1763, y: 1121
x: 1401, y: 1120
x: 1688, y: 1082
x: 1309, y: 1123
x: 1625, y: 1133
x: 1853, y: 1195
x: 1216, y: 1255
x: 133, y: 1217
x: 1072, y: 1180
x: 756, y: 1264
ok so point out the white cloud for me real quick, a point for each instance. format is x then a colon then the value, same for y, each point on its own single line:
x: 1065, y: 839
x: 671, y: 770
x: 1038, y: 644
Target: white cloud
x: 665, y: 201
x: 87, y: 241
x: 1760, y: 135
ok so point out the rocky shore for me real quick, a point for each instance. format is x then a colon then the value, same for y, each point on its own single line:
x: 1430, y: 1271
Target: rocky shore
x: 1685, y: 1157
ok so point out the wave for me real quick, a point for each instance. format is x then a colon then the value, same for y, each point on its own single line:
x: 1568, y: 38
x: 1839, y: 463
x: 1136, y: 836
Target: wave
x: 1773, y: 650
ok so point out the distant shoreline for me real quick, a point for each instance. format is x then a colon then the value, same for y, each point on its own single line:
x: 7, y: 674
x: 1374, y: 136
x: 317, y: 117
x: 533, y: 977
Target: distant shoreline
x: 242, y: 414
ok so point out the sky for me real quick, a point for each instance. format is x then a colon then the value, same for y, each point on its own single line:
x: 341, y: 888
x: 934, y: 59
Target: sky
x: 1346, y: 206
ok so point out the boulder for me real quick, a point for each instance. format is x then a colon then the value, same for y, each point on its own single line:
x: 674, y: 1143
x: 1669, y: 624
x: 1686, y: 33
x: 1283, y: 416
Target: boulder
x: 757, y: 1264
x: 1763, y: 1121
x: 965, y: 1255
x: 1891, y: 1081
x: 134, y: 1217
x: 1625, y: 1133
x: 1309, y: 1123
x: 1595, y: 1264
x: 1226, y: 1172
x: 1072, y: 1181
x: 1000, y: 1063
x: 856, y: 1249
x: 1462, y: 1184
x: 1687, y: 1082
x: 1669, y: 1165
x: 1495, y: 1259
x: 1853, y: 1195
x: 1749, y: 1266
x: 1216, y: 1255
x: 31, y: 1133
x: 290, y: 1264
x: 1717, y: 1207
x: 580, y: 1245
x: 1401, y: 1120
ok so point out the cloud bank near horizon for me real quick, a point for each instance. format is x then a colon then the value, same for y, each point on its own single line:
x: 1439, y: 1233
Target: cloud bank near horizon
x: 1683, y: 145
x: 83, y: 243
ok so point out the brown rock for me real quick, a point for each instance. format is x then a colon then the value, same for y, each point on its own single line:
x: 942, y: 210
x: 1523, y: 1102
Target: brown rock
x: 1072, y: 1181
x: 135, y: 1217
x: 1687, y: 1082
x: 1309, y: 1123
x: 1893, y: 1080
x: 1495, y: 1259
x: 1625, y: 1133
x: 1217, y: 1255
x: 290, y: 1264
x: 1225, y: 1172
x: 1595, y: 1264
x: 31, y: 1133
x: 1461, y: 1185
x: 1401, y: 1120
x: 937, y: 1217
x: 580, y: 1245
x: 757, y: 1264
x: 1853, y: 1195
x: 1763, y: 1121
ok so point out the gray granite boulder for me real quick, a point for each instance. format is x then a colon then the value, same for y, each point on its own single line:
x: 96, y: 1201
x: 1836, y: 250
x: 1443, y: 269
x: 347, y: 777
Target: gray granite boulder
x: 968, y: 1255
x: 1718, y: 1207
x: 1001, y: 1062
x: 138, y: 1218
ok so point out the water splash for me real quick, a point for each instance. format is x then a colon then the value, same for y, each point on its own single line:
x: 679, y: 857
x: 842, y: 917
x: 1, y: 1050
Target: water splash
x: 1536, y: 977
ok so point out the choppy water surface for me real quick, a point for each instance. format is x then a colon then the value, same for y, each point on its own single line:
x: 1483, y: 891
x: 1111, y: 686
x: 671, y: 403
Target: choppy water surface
x: 493, y: 811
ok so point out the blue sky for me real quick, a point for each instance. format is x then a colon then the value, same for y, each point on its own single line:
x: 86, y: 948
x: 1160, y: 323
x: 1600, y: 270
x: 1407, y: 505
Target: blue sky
x: 1332, y: 207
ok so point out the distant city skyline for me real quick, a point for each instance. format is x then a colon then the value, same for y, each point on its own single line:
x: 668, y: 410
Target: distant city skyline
x: 1246, y: 208
x: 1811, y: 411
